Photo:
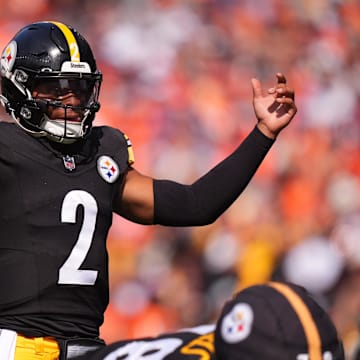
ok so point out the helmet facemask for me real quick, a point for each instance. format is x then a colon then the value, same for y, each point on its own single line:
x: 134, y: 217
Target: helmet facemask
x: 63, y: 107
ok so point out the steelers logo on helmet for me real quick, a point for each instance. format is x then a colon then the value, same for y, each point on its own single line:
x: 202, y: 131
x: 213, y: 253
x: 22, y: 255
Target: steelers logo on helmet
x: 8, y: 58
x: 237, y: 324
x: 108, y: 169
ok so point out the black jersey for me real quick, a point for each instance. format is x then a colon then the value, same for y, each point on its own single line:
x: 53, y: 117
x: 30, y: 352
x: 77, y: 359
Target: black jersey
x: 192, y: 344
x: 55, y: 213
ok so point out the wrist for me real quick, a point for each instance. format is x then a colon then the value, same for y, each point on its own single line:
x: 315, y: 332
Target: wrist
x: 265, y: 131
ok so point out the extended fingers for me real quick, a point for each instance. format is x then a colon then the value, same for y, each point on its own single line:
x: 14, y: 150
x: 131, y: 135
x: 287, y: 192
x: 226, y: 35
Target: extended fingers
x: 278, y: 89
x: 281, y: 78
x: 256, y: 86
x: 283, y: 94
x: 285, y: 98
x: 282, y: 91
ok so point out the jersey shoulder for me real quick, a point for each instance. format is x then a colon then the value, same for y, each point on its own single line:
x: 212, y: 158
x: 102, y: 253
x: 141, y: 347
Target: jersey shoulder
x: 114, y: 141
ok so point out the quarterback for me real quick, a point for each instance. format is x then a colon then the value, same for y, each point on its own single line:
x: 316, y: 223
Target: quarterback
x: 61, y: 180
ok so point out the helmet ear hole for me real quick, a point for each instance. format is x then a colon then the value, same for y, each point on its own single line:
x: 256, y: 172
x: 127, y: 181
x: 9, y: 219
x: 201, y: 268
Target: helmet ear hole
x: 43, y: 53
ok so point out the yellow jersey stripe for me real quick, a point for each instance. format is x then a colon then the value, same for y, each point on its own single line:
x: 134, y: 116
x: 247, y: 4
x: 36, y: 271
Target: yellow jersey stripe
x: 131, y: 157
x: 70, y: 38
x: 305, y: 317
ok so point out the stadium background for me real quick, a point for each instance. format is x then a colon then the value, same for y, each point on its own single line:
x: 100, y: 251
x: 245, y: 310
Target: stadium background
x: 177, y: 81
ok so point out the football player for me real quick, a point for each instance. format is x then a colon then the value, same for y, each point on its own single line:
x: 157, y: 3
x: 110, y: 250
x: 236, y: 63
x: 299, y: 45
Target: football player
x: 272, y: 321
x: 62, y: 179
x: 189, y: 344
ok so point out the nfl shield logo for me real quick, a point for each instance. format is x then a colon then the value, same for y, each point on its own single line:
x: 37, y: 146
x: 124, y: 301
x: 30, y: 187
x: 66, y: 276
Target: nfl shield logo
x: 69, y: 162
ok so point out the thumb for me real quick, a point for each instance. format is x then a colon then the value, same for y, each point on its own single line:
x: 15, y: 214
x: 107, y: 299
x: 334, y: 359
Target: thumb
x: 256, y: 86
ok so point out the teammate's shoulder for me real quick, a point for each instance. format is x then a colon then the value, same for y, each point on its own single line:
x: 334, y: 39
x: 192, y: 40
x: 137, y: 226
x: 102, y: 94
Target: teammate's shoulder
x: 195, y: 343
x: 199, y: 330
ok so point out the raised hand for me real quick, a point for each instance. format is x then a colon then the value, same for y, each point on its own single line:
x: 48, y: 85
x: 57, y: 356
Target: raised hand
x: 275, y: 108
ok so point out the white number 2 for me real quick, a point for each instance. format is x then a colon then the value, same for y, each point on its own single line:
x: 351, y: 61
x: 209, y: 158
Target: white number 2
x: 70, y: 272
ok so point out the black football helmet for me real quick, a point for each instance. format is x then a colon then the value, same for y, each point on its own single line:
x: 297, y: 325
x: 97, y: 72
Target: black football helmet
x: 54, y: 59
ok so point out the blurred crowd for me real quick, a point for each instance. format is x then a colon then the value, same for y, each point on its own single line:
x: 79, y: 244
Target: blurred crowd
x: 177, y: 82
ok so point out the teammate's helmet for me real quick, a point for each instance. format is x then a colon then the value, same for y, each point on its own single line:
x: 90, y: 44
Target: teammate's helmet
x: 54, y: 58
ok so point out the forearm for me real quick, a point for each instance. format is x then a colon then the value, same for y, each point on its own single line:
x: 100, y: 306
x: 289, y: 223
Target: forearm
x: 206, y: 199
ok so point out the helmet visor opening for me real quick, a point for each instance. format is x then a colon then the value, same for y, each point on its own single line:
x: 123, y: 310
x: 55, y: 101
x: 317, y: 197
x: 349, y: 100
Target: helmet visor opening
x: 85, y: 89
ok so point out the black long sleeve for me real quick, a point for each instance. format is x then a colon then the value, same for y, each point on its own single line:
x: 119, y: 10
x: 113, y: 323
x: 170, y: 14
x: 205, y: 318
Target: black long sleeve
x: 202, y: 202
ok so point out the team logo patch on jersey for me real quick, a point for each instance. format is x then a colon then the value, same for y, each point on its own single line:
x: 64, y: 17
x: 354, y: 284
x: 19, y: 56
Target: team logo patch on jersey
x: 8, y: 58
x: 108, y: 168
x: 237, y: 324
